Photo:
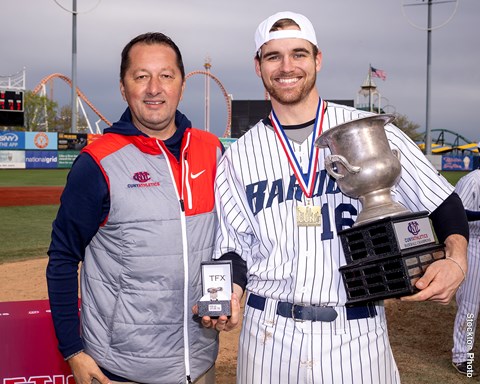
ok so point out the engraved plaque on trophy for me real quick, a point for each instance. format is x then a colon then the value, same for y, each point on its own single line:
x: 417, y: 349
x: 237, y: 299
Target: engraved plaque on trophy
x: 216, y: 288
x: 389, y: 247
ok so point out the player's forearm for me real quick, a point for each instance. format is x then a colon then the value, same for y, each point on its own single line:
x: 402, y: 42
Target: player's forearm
x: 238, y: 290
x: 456, y: 249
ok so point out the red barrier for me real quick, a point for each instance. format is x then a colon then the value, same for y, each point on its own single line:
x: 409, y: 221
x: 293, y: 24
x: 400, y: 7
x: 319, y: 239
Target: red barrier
x: 28, y: 346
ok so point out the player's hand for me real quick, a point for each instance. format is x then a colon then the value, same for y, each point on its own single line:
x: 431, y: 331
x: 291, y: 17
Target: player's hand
x: 85, y: 369
x: 443, y: 277
x: 223, y: 323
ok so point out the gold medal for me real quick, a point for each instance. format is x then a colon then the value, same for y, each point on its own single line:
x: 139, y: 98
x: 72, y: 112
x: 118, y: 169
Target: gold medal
x: 309, y: 215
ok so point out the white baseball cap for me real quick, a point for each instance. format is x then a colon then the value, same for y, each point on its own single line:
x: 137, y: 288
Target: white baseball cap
x: 263, y: 34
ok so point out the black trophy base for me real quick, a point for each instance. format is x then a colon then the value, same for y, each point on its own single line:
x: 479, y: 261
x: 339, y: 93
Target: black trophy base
x: 385, y: 237
x: 389, y: 277
x: 386, y: 257
x: 214, y: 309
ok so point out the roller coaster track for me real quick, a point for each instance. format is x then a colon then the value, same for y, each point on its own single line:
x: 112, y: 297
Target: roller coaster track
x: 442, y: 140
x: 225, y: 95
x: 80, y: 94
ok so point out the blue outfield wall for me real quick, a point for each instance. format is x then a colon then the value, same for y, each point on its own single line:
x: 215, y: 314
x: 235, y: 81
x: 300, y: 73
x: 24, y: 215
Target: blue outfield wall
x: 20, y: 150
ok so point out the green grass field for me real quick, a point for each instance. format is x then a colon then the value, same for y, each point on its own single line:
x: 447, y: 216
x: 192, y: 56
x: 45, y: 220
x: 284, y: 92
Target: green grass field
x: 26, y: 230
x: 453, y: 176
x: 32, y: 177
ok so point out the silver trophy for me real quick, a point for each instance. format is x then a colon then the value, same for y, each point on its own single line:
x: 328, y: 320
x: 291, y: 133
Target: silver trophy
x: 366, y: 167
x: 389, y: 247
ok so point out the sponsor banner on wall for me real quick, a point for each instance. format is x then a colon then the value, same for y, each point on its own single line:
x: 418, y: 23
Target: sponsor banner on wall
x: 12, y: 140
x: 91, y: 137
x: 66, y: 158
x: 41, y: 140
x: 12, y: 159
x: 72, y: 141
x: 457, y: 163
x: 41, y: 159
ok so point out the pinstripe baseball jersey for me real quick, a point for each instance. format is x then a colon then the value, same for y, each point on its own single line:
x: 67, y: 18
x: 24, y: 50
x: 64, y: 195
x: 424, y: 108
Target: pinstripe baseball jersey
x: 259, y: 199
x: 257, y: 196
x: 468, y: 295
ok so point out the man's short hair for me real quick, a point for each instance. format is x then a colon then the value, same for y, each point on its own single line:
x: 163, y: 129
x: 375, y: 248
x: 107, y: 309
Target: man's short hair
x: 150, y: 38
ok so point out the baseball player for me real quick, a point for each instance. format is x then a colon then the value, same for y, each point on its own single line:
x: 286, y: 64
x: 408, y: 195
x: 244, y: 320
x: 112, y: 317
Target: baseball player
x: 468, y: 295
x: 296, y: 327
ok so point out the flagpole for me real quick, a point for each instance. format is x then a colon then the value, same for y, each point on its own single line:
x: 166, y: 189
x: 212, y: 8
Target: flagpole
x: 74, y: 68
x: 370, y: 87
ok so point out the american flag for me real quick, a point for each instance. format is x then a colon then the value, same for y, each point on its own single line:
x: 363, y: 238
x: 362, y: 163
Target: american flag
x: 378, y: 73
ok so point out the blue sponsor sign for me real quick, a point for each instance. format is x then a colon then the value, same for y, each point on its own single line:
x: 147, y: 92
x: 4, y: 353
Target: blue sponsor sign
x: 41, y: 159
x: 457, y: 163
x: 41, y: 140
x: 12, y: 140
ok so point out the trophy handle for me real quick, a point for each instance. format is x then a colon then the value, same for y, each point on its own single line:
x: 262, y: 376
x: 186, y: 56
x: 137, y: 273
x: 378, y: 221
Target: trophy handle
x: 396, y: 152
x: 329, y: 160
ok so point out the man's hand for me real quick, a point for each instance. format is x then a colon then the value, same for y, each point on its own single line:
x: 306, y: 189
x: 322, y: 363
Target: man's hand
x: 223, y: 323
x: 443, y: 277
x: 85, y: 369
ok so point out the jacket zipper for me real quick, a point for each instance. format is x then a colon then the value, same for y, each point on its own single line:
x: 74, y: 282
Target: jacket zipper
x: 185, y: 177
x: 180, y: 198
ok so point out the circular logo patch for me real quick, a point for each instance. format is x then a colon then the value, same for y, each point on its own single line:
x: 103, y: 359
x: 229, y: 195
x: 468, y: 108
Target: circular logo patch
x: 40, y: 140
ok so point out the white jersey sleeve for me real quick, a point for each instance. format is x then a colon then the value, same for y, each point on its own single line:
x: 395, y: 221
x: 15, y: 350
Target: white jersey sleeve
x: 236, y: 224
x: 421, y: 186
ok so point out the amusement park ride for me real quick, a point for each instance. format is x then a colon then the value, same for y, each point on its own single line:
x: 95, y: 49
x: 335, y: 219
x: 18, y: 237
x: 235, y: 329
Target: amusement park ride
x: 41, y: 89
x: 227, y: 97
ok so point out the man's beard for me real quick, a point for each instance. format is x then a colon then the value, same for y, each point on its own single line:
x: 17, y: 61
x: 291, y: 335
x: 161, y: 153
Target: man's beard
x: 289, y: 97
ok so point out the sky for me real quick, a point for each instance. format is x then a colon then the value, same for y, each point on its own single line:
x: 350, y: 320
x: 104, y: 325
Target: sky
x: 390, y: 35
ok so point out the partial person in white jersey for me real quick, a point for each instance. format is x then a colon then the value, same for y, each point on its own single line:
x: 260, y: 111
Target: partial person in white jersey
x: 296, y: 327
x: 468, y: 295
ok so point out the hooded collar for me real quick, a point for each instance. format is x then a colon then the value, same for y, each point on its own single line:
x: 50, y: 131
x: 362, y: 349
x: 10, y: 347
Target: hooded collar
x: 126, y: 127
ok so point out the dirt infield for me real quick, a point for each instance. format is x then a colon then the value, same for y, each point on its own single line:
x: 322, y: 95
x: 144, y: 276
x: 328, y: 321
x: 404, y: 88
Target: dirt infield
x: 21, y: 196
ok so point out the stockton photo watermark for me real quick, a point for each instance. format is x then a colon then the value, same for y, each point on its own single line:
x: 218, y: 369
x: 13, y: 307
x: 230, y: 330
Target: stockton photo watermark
x: 470, y: 328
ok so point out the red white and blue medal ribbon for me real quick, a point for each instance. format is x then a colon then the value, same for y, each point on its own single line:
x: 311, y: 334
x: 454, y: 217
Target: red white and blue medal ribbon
x: 305, y: 180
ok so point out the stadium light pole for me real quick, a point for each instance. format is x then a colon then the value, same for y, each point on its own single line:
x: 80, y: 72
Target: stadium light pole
x: 74, y: 66
x: 428, y: 134
x: 74, y: 58
x: 428, y: 144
